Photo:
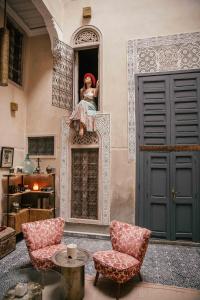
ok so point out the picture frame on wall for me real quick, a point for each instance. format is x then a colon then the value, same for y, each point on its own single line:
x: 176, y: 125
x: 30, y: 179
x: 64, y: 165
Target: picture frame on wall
x: 7, y: 155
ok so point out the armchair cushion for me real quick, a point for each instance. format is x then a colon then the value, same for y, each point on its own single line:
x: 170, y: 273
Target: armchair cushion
x: 43, y: 240
x: 129, y: 239
x: 41, y: 258
x: 115, y: 265
x: 40, y: 234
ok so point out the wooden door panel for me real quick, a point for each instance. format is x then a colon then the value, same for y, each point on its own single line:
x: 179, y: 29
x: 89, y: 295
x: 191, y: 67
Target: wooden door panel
x: 184, y: 101
x: 157, y: 193
x: 169, y: 115
x: 84, y: 197
x: 154, y: 110
x: 184, y: 183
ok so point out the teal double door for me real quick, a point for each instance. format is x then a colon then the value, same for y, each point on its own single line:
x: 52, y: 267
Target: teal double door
x: 168, y: 160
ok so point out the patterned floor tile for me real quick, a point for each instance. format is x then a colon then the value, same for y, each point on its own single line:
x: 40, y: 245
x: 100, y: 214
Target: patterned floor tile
x: 165, y: 264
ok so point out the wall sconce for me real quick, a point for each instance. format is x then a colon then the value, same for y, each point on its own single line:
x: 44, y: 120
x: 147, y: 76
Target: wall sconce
x: 35, y: 187
x: 4, y: 52
x: 13, y: 106
x: 87, y: 12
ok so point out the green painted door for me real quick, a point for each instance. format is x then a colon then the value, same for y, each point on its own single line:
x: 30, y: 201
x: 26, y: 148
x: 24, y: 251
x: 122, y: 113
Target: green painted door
x: 168, y: 191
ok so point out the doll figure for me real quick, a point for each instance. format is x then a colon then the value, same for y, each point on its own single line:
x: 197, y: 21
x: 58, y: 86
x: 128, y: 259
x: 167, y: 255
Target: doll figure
x: 82, y: 118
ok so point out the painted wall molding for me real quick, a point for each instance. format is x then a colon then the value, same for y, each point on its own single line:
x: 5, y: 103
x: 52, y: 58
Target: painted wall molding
x: 158, y: 54
x: 103, y: 131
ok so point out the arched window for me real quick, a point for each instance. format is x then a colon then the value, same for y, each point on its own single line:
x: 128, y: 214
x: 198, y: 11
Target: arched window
x: 86, y: 42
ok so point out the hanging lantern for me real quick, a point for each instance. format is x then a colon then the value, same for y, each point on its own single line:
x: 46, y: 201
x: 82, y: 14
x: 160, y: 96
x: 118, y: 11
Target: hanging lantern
x: 4, y: 52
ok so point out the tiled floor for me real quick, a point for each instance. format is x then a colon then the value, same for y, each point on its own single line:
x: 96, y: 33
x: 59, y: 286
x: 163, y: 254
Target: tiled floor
x: 164, y: 264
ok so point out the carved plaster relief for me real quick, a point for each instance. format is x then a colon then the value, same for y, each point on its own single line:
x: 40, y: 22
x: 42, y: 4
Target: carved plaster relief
x: 103, y: 131
x: 62, y: 81
x: 86, y: 36
x: 159, y: 54
x: 89, y: 138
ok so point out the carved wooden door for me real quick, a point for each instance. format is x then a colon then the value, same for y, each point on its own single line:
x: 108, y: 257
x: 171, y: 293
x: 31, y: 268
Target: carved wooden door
x: 84, y: 188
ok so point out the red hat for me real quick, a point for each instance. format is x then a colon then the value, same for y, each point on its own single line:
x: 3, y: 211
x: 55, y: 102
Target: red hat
x: 92, y: 78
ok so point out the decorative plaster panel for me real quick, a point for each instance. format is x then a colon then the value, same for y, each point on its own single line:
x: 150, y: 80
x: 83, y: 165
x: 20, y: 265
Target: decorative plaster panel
x: 86, y: 36
x: 62, y: 82
x: 87, y: 139
x: 158, y: 54
x: 103, y: 130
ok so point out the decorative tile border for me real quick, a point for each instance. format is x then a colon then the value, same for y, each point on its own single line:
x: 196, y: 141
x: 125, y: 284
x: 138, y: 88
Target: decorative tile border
x: 158, y: 54
x: 65, y: 138
x: 103, y: 129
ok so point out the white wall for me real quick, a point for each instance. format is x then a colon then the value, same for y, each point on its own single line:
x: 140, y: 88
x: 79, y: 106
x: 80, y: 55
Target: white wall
x: 42, y: 117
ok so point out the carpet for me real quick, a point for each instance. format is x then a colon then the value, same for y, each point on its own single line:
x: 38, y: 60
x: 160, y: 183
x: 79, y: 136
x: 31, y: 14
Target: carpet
x: 164, y: 264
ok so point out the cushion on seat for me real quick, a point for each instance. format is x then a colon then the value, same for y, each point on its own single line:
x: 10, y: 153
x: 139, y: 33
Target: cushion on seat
x: 40, y: 234
x: 41, y: 258
x: 116, y: 265
x: 129, y: 239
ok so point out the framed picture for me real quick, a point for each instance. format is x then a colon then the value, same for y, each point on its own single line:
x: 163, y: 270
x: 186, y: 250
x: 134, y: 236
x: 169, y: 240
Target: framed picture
x: 7, y: 154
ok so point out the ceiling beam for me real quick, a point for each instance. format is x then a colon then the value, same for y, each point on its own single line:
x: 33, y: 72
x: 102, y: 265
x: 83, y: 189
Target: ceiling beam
x: 22, y: 25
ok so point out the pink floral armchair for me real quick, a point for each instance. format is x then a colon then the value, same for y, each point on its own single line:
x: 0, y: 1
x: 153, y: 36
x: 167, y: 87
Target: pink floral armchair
x: 129, y: 245
x: 43, y: 239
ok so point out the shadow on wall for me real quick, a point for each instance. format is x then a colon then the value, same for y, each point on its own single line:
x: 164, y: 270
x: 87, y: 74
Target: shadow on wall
x: 41, y: 62
x: 122, y: 205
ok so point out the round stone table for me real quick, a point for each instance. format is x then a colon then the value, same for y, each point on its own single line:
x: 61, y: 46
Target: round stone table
x: 73, y: 271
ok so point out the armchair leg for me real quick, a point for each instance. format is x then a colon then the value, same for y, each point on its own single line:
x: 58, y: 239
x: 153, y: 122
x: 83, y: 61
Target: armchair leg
x: 96, y: 278
x: 140, y: 276
x: 118, y: 291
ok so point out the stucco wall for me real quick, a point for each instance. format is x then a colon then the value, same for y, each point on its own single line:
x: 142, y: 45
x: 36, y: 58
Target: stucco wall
x: 120, y: 21
x: 56, y: 10
x: 42, y: 117
x: 13, y: 126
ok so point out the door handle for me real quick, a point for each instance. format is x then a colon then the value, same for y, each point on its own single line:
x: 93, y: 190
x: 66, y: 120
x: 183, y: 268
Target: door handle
x: 174, y: 193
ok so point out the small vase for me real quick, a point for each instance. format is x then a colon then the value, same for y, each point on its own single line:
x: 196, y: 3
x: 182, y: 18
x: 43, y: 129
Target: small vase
x: 28, y: 165
x: 49, y: 169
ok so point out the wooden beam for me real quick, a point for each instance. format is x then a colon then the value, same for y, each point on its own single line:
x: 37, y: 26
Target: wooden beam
x: 169, y: 148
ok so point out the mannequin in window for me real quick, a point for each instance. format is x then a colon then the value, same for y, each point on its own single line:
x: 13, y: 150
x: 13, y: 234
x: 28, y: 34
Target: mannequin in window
x: 82, y: 118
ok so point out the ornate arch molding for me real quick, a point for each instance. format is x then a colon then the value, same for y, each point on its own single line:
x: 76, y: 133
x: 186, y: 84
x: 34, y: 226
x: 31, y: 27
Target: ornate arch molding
x: 103, y: 132
x: 52, y: 27
x: 158, y: 54
x: 86, y: 36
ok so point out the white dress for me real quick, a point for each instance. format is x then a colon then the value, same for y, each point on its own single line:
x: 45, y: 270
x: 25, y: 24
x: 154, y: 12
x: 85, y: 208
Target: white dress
x: 85, y: 112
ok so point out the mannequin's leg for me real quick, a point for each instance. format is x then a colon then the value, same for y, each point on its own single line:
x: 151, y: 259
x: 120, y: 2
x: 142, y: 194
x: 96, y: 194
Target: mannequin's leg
x: 81, y: 130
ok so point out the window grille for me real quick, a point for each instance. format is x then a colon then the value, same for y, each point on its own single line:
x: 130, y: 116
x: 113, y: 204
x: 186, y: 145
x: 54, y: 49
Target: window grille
x: 41, y: 145
x: 84, y: 203
x: 15, y: 53
x: 62, y: 82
